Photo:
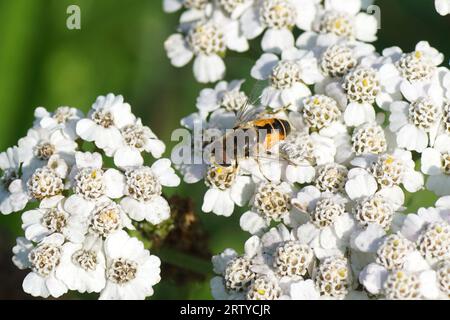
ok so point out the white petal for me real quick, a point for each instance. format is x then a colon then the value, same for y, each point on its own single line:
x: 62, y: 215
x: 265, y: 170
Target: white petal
x: 366, y: 27
x: 358, y: 113
x: 250, y: 22
x: 294, y: 96
x: 304, y: 290
x: 208, y: 100
x: 264, y: 66
x: 221, y: 261
x: 252, y: 222
x: 442, y: 7
x: 271, y: 97
x: 77, y: 205
x: 165, y: 173
x: 136, y: 210
x: 35, y: 285
x: 155, y: 147
x: 178, y: 50
x: 399, y: 115
x: 373, y: 277
x: 234, y: 38
x: 414, y: 262
x: 431, y: 161
x: 428, y: 285
x: 172, y: 5
x: 439, y: 184
x: 209, y: 200
x: 277, y: 40
x: 128, y: 157
x: 252, y: 246
x: 157, y: 210
x: 412, y: 138
x: 115, y: 183
x: 242, y: 190
x: 56, y: 287
x: 86, y: 129
x: 224, y: 206
x: 361, y: 186
x: 368, y: 240
x: 307, y: 233
x: 218, y: 289
x: 328, y: 239
x: 208, y: 68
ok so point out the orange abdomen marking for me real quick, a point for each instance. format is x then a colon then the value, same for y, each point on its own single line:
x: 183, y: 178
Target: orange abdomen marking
x: 276, y: 130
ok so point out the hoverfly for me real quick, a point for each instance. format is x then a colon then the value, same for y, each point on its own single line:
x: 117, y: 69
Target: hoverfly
x: 254, y: 134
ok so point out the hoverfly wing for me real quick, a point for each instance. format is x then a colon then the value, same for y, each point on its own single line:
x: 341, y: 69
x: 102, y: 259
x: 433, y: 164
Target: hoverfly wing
x: 249, y: 110
x: 253, y: 108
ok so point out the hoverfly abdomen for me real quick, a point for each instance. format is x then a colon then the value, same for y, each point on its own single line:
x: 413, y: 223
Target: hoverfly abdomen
x: 275, y: 130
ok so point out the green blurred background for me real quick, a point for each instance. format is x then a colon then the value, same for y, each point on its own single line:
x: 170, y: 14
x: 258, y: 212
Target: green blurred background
x: 120, y: 49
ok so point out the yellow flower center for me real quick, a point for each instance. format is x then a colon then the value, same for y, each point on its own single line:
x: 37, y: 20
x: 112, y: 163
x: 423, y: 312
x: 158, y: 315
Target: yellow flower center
x: 389, y: 160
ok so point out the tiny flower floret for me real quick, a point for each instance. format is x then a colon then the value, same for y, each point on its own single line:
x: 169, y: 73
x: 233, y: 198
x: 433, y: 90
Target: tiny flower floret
x: 206, y: 38
x: 434, y: 241
x: 142, y: 184
x: 333, y: 277
x: 234, y: 100
x: 337, y: 23
x: 375, y: 209
x: 393, y: 251
x: 400, y: 285
x: 362, y: 85
x: 122, y: 271
x: 443, y: 276
x: 44, y: 150
x: 55, y: 220
x: 423, y: 113
x: 326, y: 212
x: 337, y: 61
x: 238, y: 274
x: 285, y: 74
x: 446, y: 117
x: 44, y: 259
x: 320, y: 111
x: 369, y: 139
x: 45, y: 183
x: 416, y: 66
x: 103, y: 118
x: 292, y: 259
x: 272, y: 202
x: 298, y: 149
x: 89, y: 183
x: 106, y: 219
x: 221, y: 178
x: 86, y: 259
x: 230, y: 5
x: 331, y: 178
x: 388, y: 171
x: 63, y: 114
x: 264, y: 288
x: 278, y: 14
x: 446, y: 163
x: 136, y: 136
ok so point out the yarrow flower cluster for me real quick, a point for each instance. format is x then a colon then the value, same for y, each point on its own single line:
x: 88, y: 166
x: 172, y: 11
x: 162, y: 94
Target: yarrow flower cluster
x: 358, y: 133
x: 78, y: 205
x: 209, y: 28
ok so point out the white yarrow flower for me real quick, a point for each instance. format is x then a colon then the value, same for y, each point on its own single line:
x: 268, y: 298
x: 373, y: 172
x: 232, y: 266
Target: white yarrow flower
x: 102, y: 126
x: 131, y: 272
